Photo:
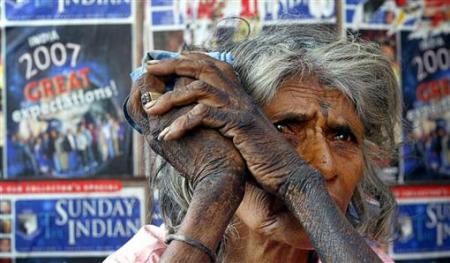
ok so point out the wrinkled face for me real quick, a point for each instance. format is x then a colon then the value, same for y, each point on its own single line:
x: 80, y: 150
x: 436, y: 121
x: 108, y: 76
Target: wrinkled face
x: 324, y: 128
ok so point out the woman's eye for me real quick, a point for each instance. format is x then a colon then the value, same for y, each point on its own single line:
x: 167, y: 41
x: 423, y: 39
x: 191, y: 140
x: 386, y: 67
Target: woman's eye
x: 283, y: 128
x: 344, y: 137
x: 280, y: 127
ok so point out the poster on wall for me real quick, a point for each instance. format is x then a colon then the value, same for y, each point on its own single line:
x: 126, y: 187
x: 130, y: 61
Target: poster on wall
x: 65, y: 90
x: 273, y: 12
x: 210, y: 21
x: 57, y: 219
x: 423, y: 223
x: 167, y: 15
x: 16, y: 10
x: 425, y: 154
x: 387, y: 14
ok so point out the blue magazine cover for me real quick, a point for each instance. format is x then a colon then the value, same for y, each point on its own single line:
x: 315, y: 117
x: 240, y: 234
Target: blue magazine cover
x: 53, y: 220
x: 422, y: 223
x: 65, y: 87
x: 22, y: 10
x: 426, y: 96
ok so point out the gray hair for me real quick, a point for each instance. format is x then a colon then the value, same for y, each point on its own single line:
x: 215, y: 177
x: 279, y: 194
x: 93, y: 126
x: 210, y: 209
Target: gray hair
x: 359, y: 70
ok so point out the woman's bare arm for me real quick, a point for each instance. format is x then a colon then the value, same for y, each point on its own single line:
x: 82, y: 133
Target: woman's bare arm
x: 331, y: 234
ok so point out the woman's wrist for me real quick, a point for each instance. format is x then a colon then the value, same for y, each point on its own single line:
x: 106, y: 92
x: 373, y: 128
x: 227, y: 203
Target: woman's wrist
x: 193, y: 243
x: 182, y: 252
x: 209, y: 213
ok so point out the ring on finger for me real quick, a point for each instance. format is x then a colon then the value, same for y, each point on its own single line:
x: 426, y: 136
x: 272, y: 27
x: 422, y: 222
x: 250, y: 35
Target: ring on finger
x: 149, y: 96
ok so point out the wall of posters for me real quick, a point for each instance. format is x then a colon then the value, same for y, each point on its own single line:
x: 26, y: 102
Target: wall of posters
x: 211, y: 21
x: 65, y: 87
x: 167, y: 15
x: 200, y: 20
x: 426, y: 95
x: 383, y: 13
x: 423, y: 221
x: 298, y: 11
x: 57, y: 219
x: 66, y: 9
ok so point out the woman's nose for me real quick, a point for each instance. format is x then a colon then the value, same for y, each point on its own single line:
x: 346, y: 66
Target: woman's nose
x: 318, y: 154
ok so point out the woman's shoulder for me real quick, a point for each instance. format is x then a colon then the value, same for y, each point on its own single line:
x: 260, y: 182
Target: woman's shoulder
x: 147, y: 245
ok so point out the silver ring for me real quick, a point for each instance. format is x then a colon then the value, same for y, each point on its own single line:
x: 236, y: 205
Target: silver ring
x: 149, y: 96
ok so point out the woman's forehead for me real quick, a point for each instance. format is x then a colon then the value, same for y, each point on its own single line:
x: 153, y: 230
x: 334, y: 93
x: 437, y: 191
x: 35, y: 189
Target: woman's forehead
x: 311, y: 91
x: 308, y: 98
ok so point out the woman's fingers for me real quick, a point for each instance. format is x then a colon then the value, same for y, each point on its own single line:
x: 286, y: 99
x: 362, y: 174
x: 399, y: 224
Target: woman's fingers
x: 201, y: 114
x: 214, y: 73
x: 197, y: 91
x: 221, y: 65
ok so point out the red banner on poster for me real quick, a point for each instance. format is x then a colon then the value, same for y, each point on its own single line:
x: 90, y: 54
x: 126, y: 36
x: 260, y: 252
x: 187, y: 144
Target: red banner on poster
x: 52, y: 187
x: 421, y: 191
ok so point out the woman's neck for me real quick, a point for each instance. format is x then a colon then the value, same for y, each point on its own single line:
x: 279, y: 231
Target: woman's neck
x: 249, y: 246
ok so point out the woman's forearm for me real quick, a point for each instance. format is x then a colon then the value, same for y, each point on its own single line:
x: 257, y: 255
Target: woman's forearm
x: 214, y: 202
x: 218, y: 177
x: 333, y: 237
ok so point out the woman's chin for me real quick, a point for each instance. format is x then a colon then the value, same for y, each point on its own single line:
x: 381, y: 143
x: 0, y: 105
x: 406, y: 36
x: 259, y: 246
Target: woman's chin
x: 281, y: 227
x: 266, y: 217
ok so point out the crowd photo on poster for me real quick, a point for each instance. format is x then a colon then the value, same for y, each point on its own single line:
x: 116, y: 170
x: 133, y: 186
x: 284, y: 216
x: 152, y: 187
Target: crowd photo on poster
x: 67, y: 152
x: 65, y: 93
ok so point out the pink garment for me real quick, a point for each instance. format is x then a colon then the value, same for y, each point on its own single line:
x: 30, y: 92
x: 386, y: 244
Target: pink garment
x: 147, y: 246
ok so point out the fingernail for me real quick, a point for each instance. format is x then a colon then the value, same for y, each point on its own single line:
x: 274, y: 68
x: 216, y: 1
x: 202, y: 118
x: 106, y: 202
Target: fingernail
x: 163, y: 133
x: 151, y: 62
x: 150, y: 104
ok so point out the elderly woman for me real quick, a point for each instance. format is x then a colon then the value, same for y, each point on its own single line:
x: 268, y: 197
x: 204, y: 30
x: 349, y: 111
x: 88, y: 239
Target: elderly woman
x: 274, y: 152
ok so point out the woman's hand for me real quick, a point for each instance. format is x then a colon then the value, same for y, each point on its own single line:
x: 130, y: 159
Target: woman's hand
x: 194, y: 156
x: 221, y: 103
x: 216, y: 172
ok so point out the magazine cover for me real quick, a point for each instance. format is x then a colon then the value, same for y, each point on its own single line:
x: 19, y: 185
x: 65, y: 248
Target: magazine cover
x: 273, y: 12
x: 211, y: 21
x: 384, y: 13
x: 426, y: 96
x: 167, y: 15
x: 422, y: 223
x: 21, y: 10
x: 65, y: 90
x: 71, y: 218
